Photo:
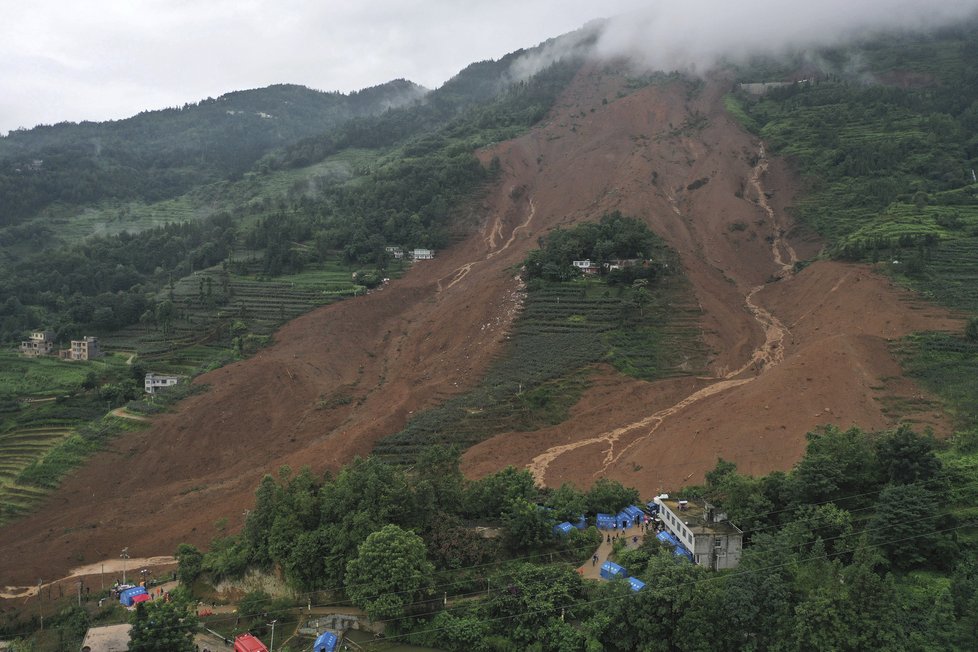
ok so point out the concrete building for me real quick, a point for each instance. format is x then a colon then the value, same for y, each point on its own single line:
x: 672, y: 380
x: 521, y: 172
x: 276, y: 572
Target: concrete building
x: 423, y: 254
x: 155, y: 382
x: 704, y: 530
x: 40, y: 343
x: 84, y: 349
x: 395, y: 251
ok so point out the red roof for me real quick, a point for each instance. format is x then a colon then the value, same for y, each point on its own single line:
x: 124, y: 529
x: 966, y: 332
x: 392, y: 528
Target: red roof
x: 142, y: 597
x: 248, y: 643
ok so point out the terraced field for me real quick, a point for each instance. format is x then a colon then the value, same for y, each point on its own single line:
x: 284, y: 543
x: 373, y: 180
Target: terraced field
x: 564, y: 328
x: 19, y: 448
x: 215, y: 305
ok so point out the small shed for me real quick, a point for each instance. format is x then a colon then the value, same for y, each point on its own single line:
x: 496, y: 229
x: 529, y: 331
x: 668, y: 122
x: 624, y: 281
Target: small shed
x: 610, y: 570
x: 605, y: 521
x: 563, y: 529
x: 636, y: 584
x: 325, y: 642
x: 126, y: 597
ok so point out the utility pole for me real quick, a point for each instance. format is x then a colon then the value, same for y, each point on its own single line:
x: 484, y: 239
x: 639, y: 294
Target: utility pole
x: 39, y: 612
x: 101, y: 576
x: 271, y: 646
x: 125, y: 557
x: 79, y: 593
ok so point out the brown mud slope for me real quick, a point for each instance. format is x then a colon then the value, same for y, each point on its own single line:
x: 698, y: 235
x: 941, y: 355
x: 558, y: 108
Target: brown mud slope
x: 784, y: 356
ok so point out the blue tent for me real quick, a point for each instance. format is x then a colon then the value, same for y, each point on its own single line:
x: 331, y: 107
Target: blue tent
x: 611, y: 570
x: 126, y: 596
x: 636, y: 584
x: 682, y: 552
x: 666, y: 537
x: 623, y: 519
x: 562, y: 529
x: 581, y: 522
x: 635, y: 512
x: 652, y: 506
x: 326, y: 642
x: 605, y: 521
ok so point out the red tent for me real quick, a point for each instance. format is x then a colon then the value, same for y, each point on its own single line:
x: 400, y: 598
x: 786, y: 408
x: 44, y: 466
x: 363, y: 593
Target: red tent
x: 142, y: 597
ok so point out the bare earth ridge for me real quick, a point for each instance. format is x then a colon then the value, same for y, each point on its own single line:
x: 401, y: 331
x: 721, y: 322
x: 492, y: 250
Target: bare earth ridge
x: 786, y: 355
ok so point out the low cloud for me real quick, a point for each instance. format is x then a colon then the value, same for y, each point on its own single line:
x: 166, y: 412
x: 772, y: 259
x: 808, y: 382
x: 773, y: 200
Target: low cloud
x: 694, y: 37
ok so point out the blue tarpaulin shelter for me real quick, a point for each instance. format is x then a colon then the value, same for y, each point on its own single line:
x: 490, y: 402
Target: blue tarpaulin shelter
x: 666, y: 537
x: 562, y: 529
x: 326, y: 642
x: 611, y: 570
x: 581, y: 522
x: 605, y: 521
x: 682, y: 552
x: 636, y: 584
x: 126, y: 596
x: 635, y: 512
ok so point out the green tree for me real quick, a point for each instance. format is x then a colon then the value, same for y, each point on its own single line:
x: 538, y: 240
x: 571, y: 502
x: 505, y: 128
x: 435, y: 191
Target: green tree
x: 837, y: 463
x: 609, y: 496
x: 529, y: 598
x: 163, y: 627
x: 438, y: 480
x: 189, y: 563
x: 165, y: 314
x: 489, y: 496
x: 389, y: 573
x: 904, y: 525
x: 527, y: 525
x: 905, y: 456
x: 567, y: 503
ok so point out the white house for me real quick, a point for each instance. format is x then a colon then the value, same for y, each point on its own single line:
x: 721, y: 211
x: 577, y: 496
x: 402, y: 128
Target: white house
x: 715, y: 542
x: 586, y: 266
x: 423, y: 254
x: 155, y: 382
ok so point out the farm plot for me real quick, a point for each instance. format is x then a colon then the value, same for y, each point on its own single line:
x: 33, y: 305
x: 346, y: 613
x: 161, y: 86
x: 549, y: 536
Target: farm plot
x: 213, y: 306
x: 949, y: 274
x: 564, y: 328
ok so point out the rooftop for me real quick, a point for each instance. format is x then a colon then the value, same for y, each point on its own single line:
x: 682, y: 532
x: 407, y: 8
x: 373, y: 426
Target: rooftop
x: 695, y: 516
x: 111, y: 638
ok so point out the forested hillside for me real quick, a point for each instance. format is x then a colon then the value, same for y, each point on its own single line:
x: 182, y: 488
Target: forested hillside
x: 160, y: 154
x: 417, y: 164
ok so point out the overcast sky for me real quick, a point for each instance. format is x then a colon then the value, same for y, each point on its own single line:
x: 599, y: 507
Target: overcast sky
x: 103, y: 59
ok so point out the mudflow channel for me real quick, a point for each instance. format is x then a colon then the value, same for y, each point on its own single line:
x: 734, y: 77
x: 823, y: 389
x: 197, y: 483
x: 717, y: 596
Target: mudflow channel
x: 764, y: 357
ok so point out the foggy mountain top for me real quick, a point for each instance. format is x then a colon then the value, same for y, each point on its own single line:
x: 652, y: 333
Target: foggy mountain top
x: 107, y: 59
x: 695, y: 37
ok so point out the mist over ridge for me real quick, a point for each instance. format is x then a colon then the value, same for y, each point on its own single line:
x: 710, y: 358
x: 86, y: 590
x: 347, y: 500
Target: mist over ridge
x: 694, y: 38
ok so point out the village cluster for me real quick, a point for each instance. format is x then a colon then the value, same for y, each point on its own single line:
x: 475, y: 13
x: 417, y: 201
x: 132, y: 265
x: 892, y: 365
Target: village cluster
x: 42, y: 343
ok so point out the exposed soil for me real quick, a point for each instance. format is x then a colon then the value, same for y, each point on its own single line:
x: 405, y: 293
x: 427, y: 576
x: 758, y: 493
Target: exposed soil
x: 785, y: 355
